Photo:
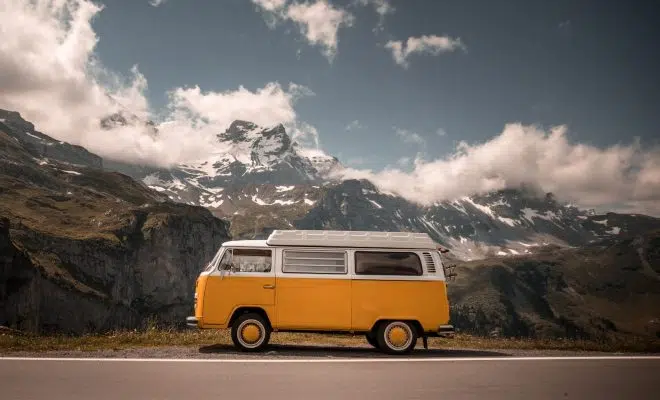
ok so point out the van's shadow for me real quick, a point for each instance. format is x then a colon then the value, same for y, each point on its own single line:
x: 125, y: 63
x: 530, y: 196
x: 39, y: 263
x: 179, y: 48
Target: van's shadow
x: 310, y: 351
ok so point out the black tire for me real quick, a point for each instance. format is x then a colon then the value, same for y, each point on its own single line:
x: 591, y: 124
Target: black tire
x: 399, y: 328
x: 371, y: 339
x: 250, y: 321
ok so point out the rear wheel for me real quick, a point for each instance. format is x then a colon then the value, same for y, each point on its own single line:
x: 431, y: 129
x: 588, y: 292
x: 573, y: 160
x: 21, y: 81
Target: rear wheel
x: 250, y: 332
x: 396, y: 337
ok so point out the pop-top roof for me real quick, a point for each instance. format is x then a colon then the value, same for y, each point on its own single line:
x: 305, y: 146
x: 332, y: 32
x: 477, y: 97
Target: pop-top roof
x: 323, y: 238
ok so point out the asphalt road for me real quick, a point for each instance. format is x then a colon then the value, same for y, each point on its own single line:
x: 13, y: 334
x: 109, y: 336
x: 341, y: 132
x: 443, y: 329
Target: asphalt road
x: 434, y: 378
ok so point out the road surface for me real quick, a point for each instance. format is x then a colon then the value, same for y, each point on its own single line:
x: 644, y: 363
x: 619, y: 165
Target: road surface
x: 376, y: 378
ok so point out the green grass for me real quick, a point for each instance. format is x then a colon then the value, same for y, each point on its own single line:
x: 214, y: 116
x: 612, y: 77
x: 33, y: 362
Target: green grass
x: 12, y: 341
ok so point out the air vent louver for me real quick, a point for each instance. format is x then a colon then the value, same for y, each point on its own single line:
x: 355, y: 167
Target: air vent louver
x: 430, y: 264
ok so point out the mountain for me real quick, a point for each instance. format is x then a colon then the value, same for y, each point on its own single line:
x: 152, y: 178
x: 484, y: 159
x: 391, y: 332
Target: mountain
x: 90, y: 244
x: 604, y: 290
x: 260, y: 180
x: 82, y: 249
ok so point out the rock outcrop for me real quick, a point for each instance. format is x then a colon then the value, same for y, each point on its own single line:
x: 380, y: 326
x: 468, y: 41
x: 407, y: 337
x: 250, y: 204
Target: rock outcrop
x: 84, y: 250
x: 601, y: 291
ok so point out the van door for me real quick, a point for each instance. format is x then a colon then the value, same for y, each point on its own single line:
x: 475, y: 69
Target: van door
x: 313, y: 290
x: 245, y: 277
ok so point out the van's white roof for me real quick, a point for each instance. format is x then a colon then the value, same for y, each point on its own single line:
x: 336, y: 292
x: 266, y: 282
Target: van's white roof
x: 245, y: 243
x: 358, y: 239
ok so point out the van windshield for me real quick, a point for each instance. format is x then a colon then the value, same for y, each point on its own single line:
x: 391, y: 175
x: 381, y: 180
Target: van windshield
x: 214, y: 261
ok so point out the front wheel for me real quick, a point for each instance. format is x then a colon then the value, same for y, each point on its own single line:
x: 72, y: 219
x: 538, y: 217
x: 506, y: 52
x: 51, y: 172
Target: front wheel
x: 396, y: 337
x: 250, y: 332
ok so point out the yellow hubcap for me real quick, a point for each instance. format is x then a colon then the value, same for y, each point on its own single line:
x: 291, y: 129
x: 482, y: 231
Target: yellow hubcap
x: 251, y: 333
x: 397, y: 336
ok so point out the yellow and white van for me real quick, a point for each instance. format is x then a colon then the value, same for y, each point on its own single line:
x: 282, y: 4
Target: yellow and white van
x: 389, y: 286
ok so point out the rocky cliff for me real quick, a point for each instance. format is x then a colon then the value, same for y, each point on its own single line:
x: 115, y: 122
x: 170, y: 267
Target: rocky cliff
x: 87, y: 250
x: 603, y: 290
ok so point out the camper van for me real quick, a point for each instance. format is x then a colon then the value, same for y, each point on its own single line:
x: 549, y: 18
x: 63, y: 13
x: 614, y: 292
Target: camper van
x: 388, y: 286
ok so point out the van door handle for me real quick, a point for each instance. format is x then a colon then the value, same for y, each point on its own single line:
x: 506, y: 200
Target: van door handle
x: 269, y: 286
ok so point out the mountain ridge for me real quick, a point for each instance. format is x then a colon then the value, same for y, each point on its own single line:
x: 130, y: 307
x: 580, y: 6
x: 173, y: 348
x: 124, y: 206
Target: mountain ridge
x: 259, y: 179
x: 87, y: 248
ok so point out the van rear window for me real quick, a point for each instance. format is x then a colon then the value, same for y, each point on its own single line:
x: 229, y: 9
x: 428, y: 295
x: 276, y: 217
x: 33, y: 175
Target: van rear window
x: 387, y: 263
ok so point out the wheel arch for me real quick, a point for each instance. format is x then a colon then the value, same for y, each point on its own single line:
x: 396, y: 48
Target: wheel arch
x: 246, y: 310
x: 417, y: 326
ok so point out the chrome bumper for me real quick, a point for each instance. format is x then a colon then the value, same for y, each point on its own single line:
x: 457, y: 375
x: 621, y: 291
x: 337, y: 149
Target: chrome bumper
x: 192, y: 322
x: 445, y: 330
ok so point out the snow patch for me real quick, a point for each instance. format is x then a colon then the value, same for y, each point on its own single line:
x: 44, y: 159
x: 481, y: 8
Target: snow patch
x: 614, y: 231
x: 484, y: 209
x: 33, y: 136
x: 602, y: 222
x: 213, y: 204
x: 529, y: 214
x: 71, y: 172
x: 259, y: 201
x: 309, y: 202
x: 375, y: 204
x: 507, y: 221
x: 284, y: 188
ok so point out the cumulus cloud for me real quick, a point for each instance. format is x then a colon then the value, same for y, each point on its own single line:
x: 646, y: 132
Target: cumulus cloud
x: 270, y: 5
x: 353, y: 125
x: 156, y: 3
x: 627, y: 177
x: 51, y: 76
x: 408, y: 136
x: 382, y: 8
x: 441, y: 132
x: 427, y: 44
x: 319, y: 21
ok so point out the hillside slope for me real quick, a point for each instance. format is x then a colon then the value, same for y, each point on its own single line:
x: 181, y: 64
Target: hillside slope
x: 604, y: 290
x: 88, y: 250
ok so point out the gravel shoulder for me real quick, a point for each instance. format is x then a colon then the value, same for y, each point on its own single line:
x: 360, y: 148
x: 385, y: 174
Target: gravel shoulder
x: 222, y: 351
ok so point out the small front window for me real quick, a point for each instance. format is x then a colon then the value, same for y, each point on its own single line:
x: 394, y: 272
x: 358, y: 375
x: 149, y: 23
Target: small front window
x: 247, y: 260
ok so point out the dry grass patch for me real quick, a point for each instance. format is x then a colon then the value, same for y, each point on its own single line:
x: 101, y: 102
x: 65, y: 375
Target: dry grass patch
x: 12, y: 341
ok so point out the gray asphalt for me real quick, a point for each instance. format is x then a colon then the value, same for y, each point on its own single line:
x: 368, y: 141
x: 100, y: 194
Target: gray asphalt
x: 405, y: 379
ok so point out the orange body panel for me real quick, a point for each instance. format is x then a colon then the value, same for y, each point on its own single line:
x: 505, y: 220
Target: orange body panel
x: 424, y: 301
x: 308, y: 303
x: 224, y: 294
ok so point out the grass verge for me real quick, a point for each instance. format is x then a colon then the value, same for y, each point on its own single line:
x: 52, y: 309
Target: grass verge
x: 13, y: 341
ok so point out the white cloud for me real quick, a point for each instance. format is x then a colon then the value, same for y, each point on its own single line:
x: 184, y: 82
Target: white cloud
x: 353, y: 125
x: 270, y: 5
x: 408, y: 136
x: 403, y: 161
x: 382, y: 8
x: 319, y: 22
x: 156, y: 3
x: 441, y: 132
x: 427, y: 44
x: 52, y: 77
x: 626, y: 176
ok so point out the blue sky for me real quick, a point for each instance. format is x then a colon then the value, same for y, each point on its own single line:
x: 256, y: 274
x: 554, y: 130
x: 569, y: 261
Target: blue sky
x: 445, y: 98
x: 585, y: 64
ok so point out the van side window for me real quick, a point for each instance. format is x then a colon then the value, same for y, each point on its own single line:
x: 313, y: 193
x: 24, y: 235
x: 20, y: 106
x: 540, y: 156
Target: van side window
x: 387, y: 263
x: 314, y: 262
x: 247, y: 260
